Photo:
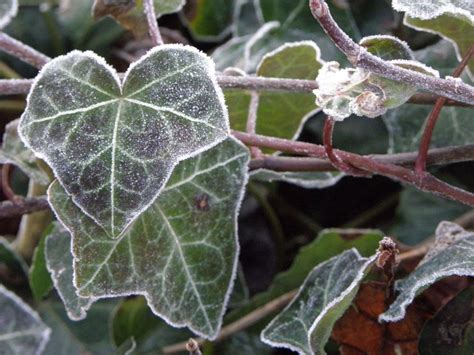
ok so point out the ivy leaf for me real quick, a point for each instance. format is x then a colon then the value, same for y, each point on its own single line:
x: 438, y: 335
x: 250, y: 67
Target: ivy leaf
x: 8, y: 10
x: 405, y: 124
x: 456, y: 28
x: 39, y: 277
x: 21, y: 329
x: 15, y: 152
x: 113, y: 146
x: 387, y: 47
x: 433, y: 8
x: 307, y: 180
x: 451, y: 331
x: 455, y: 259
x: 59, y: 263
x: 181, y: 254
x: 305, y: 324
x: 13, y: 267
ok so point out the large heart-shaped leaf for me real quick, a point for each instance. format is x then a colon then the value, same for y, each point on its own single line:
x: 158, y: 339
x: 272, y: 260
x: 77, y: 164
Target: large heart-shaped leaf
x: 8, y: 9
x: 113, y: 146
x: 181, y: 254
x: 21, y: 329
x: 427, y: 9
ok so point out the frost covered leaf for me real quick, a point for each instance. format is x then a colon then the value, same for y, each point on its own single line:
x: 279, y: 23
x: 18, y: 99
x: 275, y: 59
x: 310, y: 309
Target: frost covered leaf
x: 280, y: 114
x: 39, y: 277
x: 387, y: 47
x: 21, y: 329
x: 113, y: 146
x: 308, y: 180
x: 59, y: 263
x: 405, y: 124
x: 455, y: 259
x: 180, y: 254
x: 342, y: 92
x: 428, y: 9
x: 456, y: 28
x: 306, y: 323
x: 130, y: 13
x: 8, y: 10
x: 15, y: 152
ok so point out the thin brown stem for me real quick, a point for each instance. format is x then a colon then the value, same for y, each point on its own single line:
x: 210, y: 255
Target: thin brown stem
x: 6, y: 188
x: 22, y: 51
x: 153, y: 29
x: 9, y: 209
x: 243, y: 323
x: 420, y: 164
x: 360, y: 57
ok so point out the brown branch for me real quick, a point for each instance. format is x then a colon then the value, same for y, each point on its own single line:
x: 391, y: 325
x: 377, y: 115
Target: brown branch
x: 360, y: 57
x: 420, y: 164
x: 240, y: 324
x: 9, y: 209
x: 22, y: 51
x: 149, y: 8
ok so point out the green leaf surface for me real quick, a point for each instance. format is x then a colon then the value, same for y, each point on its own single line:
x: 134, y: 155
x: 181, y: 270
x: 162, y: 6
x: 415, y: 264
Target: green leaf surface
x: 8, y: 10
x: 305, y: 325
x: 15, y: 152
x: 21, y: 329
x: 405, y: 123
x: 134, y: 319
x: 240, y: 292
x: 329, y: 243
x: 387, y: 47
x: 455, y: 259
x: 59, y: 263
x: 113, y: 146
x: 428, y: 9
x: 456, y: 28
x: 13, y: 267
x: 307, y: 180
x: 39, y: 277
x: 181, y: 254
x: 89, y: 336
x: 451, y: 331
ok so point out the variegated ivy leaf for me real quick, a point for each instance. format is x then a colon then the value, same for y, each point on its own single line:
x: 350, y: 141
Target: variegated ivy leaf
x: 455, y: 259
x: 113, y: 145
x: 15, y: 152
x: 427, y: 9
x: 305, y: 325
x: 8, y: 10
x: 21, y: 329
x: 59, y: 263
x: 342, y: 92
x: 181, y: 254
x: 456, y: 28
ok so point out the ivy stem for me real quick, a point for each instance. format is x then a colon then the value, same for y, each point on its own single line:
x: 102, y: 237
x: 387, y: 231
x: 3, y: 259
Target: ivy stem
x: 6, y: 187
x: 334, y: 158
x: 252, y: 121
x: 360, y: 57
x: 22, y: 51
x: 152, y: 23
x: 420, y: 164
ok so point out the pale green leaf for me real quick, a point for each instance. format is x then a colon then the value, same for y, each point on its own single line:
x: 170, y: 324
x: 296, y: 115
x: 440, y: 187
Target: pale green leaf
x: 387, y: 47
x: 427, y: 9
x: 38, y: 276
x: 456, y: 28
x: 305, y: 325
x: 305, y: 179
x: 181, y: 254
x: 15, y: 152
x: 21, y: 329
x: 59, y: 263
x: 8, y: 10
x: 113, y: 146
x: 405, y: 124
x: 456, y: 259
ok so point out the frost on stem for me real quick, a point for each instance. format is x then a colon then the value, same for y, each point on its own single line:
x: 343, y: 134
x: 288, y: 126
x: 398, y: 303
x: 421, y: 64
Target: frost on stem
x: 342, y: 92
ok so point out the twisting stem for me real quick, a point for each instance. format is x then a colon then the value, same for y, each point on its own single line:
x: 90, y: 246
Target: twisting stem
x: 22, y: 51
x: 252, y: 121
x: 152, y: 23
x: 420, y: 164
x: 358, y: 56
x: 332, y: 156
x: 7, y: 189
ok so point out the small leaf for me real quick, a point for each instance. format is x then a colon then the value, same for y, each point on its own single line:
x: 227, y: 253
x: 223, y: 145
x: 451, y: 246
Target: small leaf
x: 456, y: 259
x: 113, y: 146
x: 39, y: 277
x: 59, y: 263
x: 451, y: 331
x: 387, y: 47
x: 434, y: 8
x: 181, y: 254
x: 305, y: 324
x: 8, y: 10
x: 21, y: 329
x: 308, y: 180
x: 456, y: 28
x: 15, y: 152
